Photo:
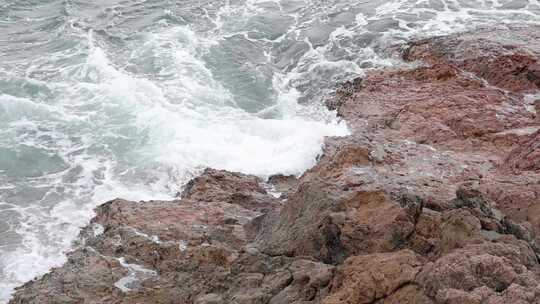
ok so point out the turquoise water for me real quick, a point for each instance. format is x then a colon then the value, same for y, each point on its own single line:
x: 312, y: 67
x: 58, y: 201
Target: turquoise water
x: 104, y: 99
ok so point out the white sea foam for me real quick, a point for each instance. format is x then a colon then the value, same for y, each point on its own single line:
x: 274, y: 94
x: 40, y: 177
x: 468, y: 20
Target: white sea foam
x: 136, y: 273
x: 529, y: 102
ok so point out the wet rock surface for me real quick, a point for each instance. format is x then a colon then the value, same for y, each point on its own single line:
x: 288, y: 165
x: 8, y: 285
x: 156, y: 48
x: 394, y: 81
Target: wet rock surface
x: 433, y: 198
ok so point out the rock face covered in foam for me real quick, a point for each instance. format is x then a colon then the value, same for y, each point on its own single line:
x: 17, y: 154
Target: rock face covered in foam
x: 433, y: 198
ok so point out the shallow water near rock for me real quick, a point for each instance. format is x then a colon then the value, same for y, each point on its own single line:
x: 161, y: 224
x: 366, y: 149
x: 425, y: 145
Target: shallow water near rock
x: 133, y: 98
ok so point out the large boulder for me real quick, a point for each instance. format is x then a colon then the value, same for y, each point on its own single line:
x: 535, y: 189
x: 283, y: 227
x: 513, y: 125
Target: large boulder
x: 507, y: 57
x: 369, y: 278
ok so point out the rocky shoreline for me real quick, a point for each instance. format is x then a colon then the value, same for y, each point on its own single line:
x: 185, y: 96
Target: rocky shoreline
x: 433, y: 198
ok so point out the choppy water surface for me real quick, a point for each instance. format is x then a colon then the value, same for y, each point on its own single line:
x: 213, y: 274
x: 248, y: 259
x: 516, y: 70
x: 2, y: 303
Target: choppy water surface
x: 131, y: 98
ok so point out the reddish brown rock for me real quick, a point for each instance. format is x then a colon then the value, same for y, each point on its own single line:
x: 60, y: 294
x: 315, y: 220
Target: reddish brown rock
x: 527, y: 156
x: 435, y: 105
x: 477, y: 272
x: 219, y: 185
x: 505, y: 57
x: 148, y: 250
x: 320, y: 224
x: 369, y: 278
x: 68, y: 284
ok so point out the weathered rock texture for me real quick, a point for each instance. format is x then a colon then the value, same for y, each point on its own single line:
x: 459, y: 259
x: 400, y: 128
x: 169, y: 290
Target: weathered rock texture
x: 434, y: 198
